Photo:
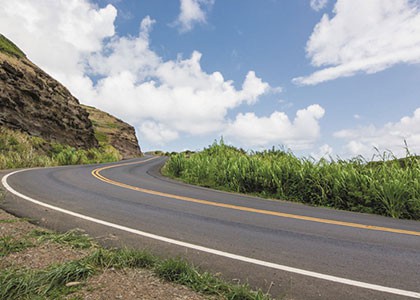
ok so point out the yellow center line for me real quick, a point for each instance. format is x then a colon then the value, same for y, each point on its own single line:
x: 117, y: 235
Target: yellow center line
x: 96, y: 174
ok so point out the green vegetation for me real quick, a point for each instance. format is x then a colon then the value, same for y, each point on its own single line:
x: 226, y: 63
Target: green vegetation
x: 19, y: 150
x: 122, y: 258
x: 388, y: 187
x: 111, y: 131
x: 73, y: 238
x: 179, y: 271
x: 160, y: 153
x: 174, y: 270
x: 9, y: 244
x: 8, y: 47
x: 101, y: 137
x: 42, y: 284
x: 66, y: 155
x: 104, y: 124
x: 51, y: 282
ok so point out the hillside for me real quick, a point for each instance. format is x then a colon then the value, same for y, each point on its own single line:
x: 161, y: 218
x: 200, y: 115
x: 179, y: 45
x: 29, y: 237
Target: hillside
x: 113, y: 131
x: 35, y: 103
x: 41, y: 123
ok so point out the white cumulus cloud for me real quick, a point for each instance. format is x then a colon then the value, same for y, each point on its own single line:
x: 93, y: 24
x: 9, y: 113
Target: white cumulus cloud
x: 391, y: 136
x: 363, y: 36
x: 157, y: 133
x: 192, y: 12
x: 177, y: 94
x: 58, y: 35
x: 298, y: 134
x: 324, y: 152
x: 318, y: 4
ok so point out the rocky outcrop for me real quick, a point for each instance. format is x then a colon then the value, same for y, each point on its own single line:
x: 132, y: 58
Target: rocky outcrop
x: 115, y: 132
x: 35, y: 103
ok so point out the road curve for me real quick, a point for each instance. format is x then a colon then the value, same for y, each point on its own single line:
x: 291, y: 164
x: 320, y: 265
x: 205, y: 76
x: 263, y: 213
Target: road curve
x: 294, y: 251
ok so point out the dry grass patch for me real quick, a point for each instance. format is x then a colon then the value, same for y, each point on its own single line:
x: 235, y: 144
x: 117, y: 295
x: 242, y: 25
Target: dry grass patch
x: 41, y: 256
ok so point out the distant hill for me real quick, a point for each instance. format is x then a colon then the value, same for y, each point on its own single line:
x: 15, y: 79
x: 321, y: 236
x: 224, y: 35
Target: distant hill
x: 112, y: 131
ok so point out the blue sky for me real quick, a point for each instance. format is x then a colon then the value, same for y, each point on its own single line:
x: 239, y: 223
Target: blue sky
x: 320, y: 77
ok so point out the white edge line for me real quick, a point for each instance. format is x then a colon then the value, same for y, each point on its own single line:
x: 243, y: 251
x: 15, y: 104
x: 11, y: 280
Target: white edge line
x: 213, y: 251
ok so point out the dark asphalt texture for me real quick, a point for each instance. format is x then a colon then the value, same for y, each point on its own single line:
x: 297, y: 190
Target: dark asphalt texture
x: 383, y: 258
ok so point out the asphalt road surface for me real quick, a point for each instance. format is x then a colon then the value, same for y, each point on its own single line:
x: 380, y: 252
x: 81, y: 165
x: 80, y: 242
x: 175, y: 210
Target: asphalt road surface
x: 291, y: 250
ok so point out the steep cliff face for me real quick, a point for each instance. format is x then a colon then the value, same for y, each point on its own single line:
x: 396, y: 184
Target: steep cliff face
x: 35, y: 103
x: 113, y: 131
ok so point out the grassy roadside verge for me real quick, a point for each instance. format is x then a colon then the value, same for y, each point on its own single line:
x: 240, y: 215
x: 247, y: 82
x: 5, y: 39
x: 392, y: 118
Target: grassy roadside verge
x: 19, y: 150
x: 389, y: 187
x: 40, y: 264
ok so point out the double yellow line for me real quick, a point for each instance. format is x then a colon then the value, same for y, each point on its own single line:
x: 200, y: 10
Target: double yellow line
x: 97, y: 173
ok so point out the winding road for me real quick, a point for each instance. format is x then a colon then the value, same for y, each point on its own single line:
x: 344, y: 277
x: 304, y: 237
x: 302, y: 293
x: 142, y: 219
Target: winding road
x: 291, y: 250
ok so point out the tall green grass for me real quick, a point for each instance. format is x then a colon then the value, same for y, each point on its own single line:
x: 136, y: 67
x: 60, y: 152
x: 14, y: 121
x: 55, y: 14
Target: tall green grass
x: 388, y: 187
x: 19, y: 150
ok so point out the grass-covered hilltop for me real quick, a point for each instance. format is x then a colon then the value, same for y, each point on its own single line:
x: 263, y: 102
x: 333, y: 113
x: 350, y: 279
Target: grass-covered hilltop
x: 42, y: 124
x: 388, y: 187
x: 7, y: 46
